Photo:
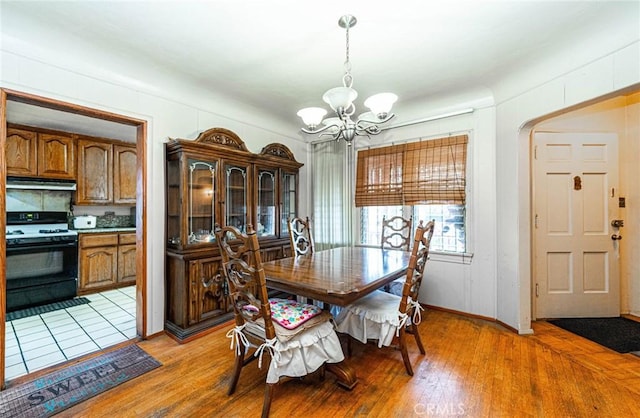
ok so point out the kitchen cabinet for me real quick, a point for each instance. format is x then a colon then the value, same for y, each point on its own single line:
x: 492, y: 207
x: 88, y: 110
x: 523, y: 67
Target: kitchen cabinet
x: 40, y: 153
x: 125, y: 159
x: 106, y: 261
x: 216, y: 180
x: 106, y: 172
x: 126, y: 258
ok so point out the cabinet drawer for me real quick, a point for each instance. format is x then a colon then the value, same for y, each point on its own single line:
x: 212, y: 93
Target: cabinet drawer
x: 98, y: 240
x: 127, y: 239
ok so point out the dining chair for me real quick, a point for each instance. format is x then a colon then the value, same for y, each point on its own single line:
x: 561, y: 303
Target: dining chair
x: 396, y: 235
x: 299, y: 339
x: 300, y: 236
x: 386, y: 317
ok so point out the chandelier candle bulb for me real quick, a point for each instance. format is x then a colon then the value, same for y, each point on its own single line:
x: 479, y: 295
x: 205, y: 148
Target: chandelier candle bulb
x: 341, y: 101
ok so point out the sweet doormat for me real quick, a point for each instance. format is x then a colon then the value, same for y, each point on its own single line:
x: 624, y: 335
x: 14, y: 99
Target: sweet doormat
x: 618, y: 333
x: 54, y: 392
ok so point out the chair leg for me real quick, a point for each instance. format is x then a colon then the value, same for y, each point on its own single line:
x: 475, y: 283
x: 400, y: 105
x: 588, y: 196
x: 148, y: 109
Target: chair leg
x: 349, y: 338
x: 268, y: 396
x: 405, y: 353
x: 416, y: 334
x: 236, y: 370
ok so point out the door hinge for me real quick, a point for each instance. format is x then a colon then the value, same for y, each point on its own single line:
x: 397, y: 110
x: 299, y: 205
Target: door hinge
x: 535, y: 222
x: 537, y: 290
x: 535, y: 152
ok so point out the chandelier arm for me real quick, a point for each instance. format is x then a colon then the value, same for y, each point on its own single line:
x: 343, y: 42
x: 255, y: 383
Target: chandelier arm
x: 315, y: 131
x: 368, y: 130
x: 378, y: 121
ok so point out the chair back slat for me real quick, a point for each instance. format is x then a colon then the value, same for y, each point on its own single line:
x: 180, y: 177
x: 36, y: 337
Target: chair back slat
x: 417, y: 263
x: 396, y: 233
x: 300, y: 236
x: 242, y: 269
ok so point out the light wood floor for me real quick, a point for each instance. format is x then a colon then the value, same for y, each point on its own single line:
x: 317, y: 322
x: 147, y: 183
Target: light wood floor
x: 472, y: 368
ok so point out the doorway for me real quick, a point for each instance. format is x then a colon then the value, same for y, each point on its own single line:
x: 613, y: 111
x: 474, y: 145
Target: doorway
x: 89, y: 122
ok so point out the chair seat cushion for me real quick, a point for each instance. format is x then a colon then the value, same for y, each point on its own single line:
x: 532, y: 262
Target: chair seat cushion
x: 290, y: 314
x: 303, y: 352
x: 373, y: 317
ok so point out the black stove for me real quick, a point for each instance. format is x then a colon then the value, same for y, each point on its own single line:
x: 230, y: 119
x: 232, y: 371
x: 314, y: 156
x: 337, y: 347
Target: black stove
x: 42, y: 259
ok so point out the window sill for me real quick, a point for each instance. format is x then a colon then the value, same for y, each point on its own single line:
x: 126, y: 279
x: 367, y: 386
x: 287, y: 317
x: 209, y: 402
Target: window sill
x: 446, y: 257
x: 440, y: 256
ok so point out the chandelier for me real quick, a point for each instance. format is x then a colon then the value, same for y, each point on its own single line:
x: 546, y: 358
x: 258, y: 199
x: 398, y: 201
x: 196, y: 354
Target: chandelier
x: 341, y: 100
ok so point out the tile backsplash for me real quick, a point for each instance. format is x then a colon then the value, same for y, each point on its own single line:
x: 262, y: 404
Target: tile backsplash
x: 108, y: 216
x: 38, y: 200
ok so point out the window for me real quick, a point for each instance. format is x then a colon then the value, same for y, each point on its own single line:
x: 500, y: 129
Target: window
x: 448, y: 234
x: 424, y: 180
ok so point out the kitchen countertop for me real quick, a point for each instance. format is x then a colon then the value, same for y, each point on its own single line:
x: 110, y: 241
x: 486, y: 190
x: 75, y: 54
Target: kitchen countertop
x: 106, y: 230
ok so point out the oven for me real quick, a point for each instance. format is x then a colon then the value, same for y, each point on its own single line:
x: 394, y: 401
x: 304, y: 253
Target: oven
x: 41, y: 259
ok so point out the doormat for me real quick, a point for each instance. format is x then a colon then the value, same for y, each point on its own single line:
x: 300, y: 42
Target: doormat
x: 618, y: 333
x: 50, y: 307
x: 54, y: 392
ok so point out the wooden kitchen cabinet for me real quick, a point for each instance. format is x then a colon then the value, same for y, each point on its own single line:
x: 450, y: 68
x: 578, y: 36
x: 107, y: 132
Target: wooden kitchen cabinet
x: 127, y: 258
x: 106, y: 172
x: 106, y: 261
x: 124, y: 174
x: 95, y: 173
x: 98, y: 254
x: 213, y: 181
x: 40, y: 153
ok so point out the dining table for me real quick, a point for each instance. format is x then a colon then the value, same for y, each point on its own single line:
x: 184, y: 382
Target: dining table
x: 338, y: 276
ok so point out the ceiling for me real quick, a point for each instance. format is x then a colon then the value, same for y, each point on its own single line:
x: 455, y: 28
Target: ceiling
x: 282, y: 55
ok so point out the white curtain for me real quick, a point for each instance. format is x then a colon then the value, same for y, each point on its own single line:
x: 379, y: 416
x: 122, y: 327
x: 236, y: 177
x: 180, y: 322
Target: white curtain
x: 332, y: 179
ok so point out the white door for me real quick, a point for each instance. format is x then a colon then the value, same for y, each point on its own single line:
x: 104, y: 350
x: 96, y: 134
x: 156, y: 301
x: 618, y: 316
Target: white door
x: 575, y: 200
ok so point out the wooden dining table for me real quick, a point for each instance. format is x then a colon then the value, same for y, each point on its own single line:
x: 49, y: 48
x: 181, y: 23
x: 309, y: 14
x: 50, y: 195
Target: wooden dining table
x: 338, y: 276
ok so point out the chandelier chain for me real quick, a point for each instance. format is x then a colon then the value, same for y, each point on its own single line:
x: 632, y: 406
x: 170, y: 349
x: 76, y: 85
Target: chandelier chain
x: 347, y: 79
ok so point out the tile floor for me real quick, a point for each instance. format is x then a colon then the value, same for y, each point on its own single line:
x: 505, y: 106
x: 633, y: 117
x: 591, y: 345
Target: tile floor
x: 41, y: 341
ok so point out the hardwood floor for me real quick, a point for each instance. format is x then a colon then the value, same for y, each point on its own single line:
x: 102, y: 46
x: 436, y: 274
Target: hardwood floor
x: 472, y: 368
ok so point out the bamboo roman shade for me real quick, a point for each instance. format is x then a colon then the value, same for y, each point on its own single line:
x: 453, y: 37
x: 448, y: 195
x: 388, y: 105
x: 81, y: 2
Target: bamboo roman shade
x: 424, y: 172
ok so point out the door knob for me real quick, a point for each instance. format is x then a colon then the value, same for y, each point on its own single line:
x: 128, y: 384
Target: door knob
x: 616, y: 237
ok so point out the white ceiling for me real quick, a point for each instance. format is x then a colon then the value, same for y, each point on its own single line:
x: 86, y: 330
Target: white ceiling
x: 282, y: 55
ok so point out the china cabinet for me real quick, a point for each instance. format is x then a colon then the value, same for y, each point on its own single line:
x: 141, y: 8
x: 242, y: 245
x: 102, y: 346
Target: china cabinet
x: 215, y: 180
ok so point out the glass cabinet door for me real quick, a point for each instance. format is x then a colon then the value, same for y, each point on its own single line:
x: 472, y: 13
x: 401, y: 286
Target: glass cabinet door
x: 289, y: 200
x: 266, y: 206
x: 201, y: 200
x: 236, y: 200
x: 173, y: 203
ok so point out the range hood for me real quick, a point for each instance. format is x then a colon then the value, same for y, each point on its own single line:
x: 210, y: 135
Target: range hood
x: 39, y: 184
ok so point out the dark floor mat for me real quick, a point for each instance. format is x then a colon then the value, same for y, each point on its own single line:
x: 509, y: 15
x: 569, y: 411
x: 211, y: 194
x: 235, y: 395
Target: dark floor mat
x: 37, y: 310
x: 54, y: 392
x: 619, y: 334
